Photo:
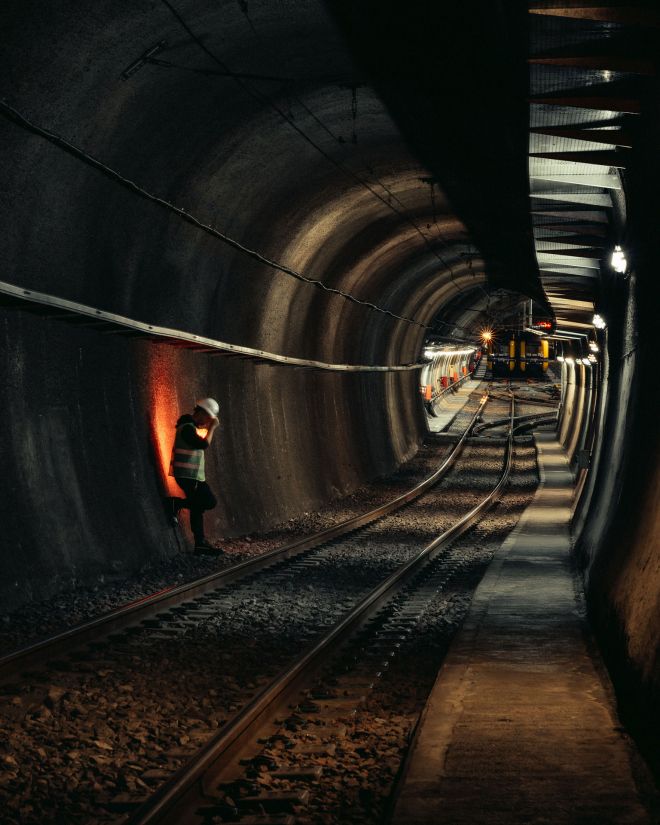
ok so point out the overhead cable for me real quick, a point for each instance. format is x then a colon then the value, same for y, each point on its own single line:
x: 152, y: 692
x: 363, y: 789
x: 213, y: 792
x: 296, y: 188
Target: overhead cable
x: 111, y: 323
x: 15, y: 116
x: 264, y: 99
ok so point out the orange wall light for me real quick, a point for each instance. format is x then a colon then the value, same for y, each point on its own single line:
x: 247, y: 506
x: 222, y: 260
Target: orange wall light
x: 163, y: 408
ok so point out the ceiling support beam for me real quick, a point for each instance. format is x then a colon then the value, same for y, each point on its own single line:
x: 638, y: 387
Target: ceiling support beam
x: 597, y: 158
x: 614, y: 137
x: 598, y: 62
x: 595, y: 199
x: 607, y: 103
x: 626, y: 15
x: 611, y: 181
x: 578, y: 228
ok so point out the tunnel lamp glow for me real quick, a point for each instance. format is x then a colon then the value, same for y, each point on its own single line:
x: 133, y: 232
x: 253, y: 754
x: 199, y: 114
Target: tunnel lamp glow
x: 487, y: 336
x: 569, y: 360
x: 618, y: 261
x: 593, y: 346
x: 592, y: 358
x: 560, y: 358
x: 599, y: 322
x: 434, y: 352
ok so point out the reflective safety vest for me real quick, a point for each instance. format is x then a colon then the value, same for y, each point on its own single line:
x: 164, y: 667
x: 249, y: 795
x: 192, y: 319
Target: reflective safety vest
x: 186, y: 462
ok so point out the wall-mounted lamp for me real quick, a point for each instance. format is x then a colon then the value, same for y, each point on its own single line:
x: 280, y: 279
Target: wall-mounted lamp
x: 599, y: 322
x: 618, y: 261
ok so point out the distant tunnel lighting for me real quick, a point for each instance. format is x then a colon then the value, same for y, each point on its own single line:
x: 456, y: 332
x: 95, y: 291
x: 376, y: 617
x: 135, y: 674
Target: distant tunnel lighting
x: 487, y: 335
x: 619, y: 262
x: 593, y: 346
x: 599, y: 322
x: 432, y: 352
x: 560, y: 358
x: 592, y: 358
x: 569, y: 360
x: 586, y: 362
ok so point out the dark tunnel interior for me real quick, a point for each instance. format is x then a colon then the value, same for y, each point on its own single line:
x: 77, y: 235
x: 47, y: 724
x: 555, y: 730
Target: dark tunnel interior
x: 325, y: 187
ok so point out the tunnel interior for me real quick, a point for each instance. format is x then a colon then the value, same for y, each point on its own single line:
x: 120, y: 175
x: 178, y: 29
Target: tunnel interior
x: 337, y: 184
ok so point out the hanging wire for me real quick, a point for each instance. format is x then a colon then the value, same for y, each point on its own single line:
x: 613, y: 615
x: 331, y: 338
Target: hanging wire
x: 265, y: 100
x: 10, y: 113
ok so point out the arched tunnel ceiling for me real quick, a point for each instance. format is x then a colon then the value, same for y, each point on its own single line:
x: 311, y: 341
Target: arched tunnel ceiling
x: 589, y: 64
x: 382, y: 150
x: 257, y: 119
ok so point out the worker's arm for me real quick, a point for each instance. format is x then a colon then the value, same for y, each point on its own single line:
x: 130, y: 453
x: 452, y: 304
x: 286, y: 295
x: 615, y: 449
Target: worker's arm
x: 194, y: 441
x: 211, y: 430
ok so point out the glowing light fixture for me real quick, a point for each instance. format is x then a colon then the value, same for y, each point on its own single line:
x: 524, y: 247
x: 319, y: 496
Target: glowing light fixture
x: 487, y: 335
x: 592, y: 358
x: 599, y: 322
x: 593, y: 346
x: 569, y: 360
x: 560, y: 358
x: 618, y: 261
x: 434, y: 352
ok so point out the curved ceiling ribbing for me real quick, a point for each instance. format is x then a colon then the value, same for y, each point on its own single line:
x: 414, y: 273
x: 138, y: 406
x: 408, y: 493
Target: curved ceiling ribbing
x: 455, y: 78
x: 293, y: 155
x: 587, y: 68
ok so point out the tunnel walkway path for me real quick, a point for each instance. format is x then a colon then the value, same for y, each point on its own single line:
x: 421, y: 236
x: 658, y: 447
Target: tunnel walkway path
x: 521, y: 726
x: 453, y: 402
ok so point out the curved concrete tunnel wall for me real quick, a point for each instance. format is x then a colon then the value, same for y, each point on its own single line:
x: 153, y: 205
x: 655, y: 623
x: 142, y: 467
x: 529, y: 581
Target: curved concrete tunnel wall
x: 89, y: 428
x: 91, y: 416
x: 616, y: 527
x: 578, y: 398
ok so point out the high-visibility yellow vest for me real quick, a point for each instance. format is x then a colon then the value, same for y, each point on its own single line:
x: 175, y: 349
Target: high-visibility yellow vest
x: 186, y: 462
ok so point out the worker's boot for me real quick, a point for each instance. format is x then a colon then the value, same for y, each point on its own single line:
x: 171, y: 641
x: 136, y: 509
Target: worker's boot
x: 172, y: 506
x: 205, y: 548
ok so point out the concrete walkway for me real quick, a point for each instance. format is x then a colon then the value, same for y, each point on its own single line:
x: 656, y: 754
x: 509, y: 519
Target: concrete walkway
x: 453, y: 402
x: 520, y: 726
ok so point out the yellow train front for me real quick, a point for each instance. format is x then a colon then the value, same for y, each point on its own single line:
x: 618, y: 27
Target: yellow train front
x: 519, y: 355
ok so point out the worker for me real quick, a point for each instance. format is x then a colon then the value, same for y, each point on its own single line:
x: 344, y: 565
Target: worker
x: 187, y: 467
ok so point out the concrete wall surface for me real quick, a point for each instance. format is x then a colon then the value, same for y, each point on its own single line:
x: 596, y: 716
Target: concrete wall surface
x: 88, y: 431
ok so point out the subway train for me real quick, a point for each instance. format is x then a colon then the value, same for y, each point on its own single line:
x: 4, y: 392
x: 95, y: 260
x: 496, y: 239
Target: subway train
x: 518, y: 355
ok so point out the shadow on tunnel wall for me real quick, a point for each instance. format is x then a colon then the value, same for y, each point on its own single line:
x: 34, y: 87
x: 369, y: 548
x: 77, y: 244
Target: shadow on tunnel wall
x: 86, y: 440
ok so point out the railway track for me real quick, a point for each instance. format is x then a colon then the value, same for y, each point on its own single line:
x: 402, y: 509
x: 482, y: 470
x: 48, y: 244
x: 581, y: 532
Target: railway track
x: 148, y: 609
x: 164, y: 621
x: 311, y: 697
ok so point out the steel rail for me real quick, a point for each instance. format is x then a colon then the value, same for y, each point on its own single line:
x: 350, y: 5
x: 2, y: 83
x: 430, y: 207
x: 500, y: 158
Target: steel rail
x: 545, y: 418
x: 96, y: 629
x: 519, y: 421
x: 191, y: 785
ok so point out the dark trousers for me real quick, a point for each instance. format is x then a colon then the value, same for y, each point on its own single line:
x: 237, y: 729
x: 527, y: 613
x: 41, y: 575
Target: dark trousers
x: 199, y: 497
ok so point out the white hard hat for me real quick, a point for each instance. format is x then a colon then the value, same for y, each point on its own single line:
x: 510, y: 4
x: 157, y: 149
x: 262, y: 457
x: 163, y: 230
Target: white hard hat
x: 209, y: 405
